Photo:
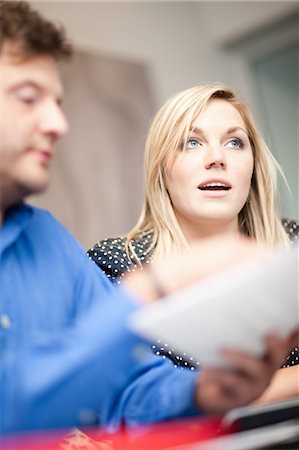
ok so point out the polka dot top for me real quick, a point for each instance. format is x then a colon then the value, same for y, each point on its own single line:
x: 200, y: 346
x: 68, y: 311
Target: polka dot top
x: 112, y: 258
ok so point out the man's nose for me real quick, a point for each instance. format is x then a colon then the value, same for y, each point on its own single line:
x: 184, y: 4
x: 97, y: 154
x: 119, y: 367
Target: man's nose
x: 54, y: 122
x: 215, y: 156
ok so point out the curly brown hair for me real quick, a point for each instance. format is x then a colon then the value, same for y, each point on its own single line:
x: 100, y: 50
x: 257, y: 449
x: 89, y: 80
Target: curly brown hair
x: 30, y: 32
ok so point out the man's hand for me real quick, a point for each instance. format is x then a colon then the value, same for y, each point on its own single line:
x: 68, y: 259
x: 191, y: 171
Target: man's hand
x: 220, y: 390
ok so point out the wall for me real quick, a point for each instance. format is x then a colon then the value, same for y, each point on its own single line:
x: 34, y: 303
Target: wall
x: 181, y: 42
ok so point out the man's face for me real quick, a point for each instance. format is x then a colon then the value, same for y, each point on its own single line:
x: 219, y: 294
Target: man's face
x: 31, y: 120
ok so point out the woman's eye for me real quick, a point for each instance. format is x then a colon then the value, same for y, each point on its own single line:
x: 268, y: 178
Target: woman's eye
x: 235, y: 144
x: 192, y: 143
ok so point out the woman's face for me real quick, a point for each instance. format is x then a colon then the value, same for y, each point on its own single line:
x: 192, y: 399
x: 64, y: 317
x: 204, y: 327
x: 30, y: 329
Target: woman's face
x: 210, y: 180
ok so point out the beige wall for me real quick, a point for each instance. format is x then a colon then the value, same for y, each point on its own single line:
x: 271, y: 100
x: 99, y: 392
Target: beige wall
x: 181, y: 41
x: 96, y: 178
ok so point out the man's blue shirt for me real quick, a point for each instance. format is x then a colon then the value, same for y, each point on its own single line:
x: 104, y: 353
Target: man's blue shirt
x: 67, y: 357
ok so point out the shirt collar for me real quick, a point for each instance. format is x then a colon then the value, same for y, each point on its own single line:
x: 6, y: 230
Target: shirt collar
x: 15, y: 221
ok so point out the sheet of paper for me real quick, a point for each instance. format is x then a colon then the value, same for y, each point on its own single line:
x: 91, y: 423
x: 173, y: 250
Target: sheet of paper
x: 235, y: 309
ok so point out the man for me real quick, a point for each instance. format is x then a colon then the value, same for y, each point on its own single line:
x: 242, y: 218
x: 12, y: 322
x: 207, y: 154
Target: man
x: 67, y: 357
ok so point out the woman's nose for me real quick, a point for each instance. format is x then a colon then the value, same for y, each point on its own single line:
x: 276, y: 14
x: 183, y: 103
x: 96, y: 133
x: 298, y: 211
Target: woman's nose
x: 215, y: 157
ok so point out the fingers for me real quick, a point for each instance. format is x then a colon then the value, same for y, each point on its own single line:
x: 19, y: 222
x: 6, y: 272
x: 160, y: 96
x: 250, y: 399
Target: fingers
x: 233, y: 385
x: 219, y: 390
x: 249, y: 366
x: 276, y: 352
x: 254, y: 366
x: 292, y: 340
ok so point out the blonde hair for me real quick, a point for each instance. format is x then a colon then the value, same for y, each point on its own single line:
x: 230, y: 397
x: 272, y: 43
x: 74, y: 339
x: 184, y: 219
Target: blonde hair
x: 259, y: 218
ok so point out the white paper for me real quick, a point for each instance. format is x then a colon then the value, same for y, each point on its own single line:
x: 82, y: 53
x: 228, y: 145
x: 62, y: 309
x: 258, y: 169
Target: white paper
x: 235, y: 309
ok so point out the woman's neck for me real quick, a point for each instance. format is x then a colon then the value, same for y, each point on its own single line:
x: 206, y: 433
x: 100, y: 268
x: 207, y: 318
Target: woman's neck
x: 209, y: 229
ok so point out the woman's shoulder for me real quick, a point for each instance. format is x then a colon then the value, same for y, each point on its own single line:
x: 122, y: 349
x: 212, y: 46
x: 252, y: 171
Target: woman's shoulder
x: 292, y: 228
x: 112, y: 256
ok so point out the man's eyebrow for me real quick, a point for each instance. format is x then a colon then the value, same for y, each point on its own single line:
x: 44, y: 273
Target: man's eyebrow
x: 35, y: 85
x: 26, y: 82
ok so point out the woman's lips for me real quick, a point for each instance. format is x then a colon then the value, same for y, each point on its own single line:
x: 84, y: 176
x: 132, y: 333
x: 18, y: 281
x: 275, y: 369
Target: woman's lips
x: 215, y: 188
x: 214, y: 185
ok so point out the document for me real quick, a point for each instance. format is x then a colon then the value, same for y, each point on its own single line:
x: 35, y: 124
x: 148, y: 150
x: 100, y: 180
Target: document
x: 235, y: 309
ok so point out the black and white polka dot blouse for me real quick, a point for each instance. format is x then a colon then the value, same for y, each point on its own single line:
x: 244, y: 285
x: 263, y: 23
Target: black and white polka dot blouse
x: 112, y: 258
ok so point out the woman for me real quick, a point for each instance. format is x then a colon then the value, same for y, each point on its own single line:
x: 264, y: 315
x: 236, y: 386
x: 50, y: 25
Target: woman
x: 207, y: 172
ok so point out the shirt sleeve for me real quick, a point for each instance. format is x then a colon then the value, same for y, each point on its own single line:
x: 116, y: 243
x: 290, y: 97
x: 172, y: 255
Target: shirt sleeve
x: 94, y: 372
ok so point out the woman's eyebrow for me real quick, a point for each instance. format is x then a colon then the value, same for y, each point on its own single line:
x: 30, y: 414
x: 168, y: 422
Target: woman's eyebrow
x: 230, y: 130
x: 233, y: 129
x: 197, y: 130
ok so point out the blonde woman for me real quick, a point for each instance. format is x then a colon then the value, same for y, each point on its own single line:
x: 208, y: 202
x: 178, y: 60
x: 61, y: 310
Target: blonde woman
x: 207, y: 172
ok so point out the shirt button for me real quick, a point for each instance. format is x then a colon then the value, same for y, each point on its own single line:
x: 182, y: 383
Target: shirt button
x: 141, y: 352
x: 87, y: 416
x: 5, y: 321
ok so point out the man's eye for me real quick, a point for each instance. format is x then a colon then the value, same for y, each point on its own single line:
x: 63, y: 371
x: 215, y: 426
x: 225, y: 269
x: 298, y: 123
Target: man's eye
x: 192, y: 143
x: 27, y: 95
x: 235, y: 143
